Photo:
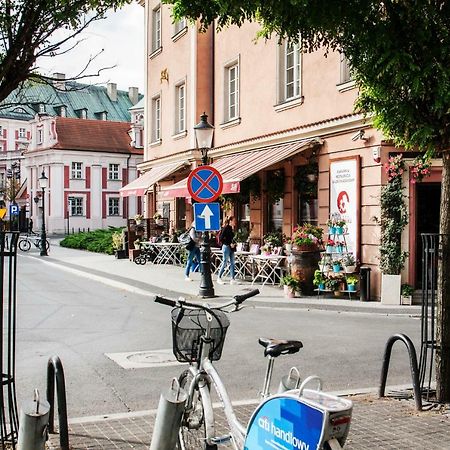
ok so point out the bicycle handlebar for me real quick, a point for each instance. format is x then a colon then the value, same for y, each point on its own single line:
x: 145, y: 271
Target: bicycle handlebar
x: 166, y: 301
x: 240, y: 298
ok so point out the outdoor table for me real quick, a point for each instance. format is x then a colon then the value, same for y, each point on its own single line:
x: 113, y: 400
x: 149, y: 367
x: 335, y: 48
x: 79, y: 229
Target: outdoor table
x: 243, y: 267
x: 165, y: 252
x: 268, y: 268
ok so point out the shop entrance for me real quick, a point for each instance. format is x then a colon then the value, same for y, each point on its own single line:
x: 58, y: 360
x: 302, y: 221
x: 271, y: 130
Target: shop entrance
x: 428, y: 196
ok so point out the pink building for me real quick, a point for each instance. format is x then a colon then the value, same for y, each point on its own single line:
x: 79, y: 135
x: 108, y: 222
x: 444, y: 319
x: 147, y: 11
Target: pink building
x: 282, y: 119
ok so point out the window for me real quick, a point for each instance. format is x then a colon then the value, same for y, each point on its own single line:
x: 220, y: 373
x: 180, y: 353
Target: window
x: 180, y: 108
x: 113, y: 172
x: 156, y: 34
x: 275, y: 216
x: 345, y: 73
x: 231, y: 92
x: 289, y: 72
x: 22, y: 133
x: 76, y: 206
x: 77, y: 170
x: 179, y: 26
x: 40, y: 136
x: 113, y: 206
x: 156, y: 119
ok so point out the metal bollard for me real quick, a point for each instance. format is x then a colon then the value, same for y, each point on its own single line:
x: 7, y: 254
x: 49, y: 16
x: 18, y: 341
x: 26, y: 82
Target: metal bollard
x: 33, y: 424
x: 365, y: 284
x: 168, y: 418
x: 290, y: 381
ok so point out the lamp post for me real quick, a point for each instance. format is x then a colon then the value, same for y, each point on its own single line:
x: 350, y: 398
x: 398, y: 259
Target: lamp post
x: 43, y: 180
x: 13, y: 175
x: 204, y: 135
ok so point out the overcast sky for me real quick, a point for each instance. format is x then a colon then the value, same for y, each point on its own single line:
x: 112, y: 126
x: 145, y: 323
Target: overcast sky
x: 121, y: 35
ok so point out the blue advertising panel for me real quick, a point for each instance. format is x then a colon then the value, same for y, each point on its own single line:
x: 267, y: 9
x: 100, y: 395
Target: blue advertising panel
x: 13, y: 210
x: 207, y: 216
x: 285, y: 423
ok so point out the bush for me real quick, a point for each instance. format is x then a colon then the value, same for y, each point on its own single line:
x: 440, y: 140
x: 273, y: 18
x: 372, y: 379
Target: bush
x: 98, y: 241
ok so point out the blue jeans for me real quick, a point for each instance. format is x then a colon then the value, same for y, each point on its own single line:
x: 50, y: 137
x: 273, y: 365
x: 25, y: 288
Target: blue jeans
x: 194, y: 253
x: 227, y: 255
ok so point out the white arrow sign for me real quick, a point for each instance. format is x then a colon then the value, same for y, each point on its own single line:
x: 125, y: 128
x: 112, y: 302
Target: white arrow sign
x: 206, y: 216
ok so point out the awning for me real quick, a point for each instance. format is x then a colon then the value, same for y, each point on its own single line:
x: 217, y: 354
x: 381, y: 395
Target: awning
x: 239, y: 166
x: 142, y: 184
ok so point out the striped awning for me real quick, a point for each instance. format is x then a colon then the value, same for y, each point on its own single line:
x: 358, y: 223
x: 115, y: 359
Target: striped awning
x: 239, y: 166
x: 142, y: 184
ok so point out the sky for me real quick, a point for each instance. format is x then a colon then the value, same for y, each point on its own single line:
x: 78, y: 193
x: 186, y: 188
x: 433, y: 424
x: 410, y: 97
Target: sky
x: 121, y: 35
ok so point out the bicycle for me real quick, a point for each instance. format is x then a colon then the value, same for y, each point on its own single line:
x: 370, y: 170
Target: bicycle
x: 318, y: 420
x: 26, y: 241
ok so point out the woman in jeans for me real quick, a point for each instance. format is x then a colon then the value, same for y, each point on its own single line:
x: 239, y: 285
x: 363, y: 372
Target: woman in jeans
x: 193, y: 253
x: 226, y: 239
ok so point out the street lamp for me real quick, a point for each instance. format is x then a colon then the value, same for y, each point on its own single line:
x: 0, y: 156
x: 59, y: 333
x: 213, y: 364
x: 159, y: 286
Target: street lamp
x: 43, y: 183
x: 204, y: 135
x: 13, y: 175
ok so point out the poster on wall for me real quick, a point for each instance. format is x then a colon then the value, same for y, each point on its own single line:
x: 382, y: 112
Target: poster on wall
x: 345, y: 197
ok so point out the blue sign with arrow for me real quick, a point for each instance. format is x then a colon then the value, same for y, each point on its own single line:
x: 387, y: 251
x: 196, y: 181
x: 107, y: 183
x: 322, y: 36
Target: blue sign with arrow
x: 207, y: 216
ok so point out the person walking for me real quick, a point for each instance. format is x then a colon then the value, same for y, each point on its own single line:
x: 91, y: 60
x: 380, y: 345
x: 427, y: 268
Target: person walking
x: 228, y: 247
x: 194, y: 252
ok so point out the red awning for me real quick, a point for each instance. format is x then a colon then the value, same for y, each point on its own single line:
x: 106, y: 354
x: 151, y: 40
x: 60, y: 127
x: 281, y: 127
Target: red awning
x: 239, y: 166
x: 142, y: 184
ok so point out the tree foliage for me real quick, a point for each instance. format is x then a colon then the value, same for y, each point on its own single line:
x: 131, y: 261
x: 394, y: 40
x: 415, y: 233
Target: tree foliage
x: 27, y: 30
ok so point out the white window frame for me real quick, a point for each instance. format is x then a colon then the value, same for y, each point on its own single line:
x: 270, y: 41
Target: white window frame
x: 289, y: 75
x: 156, y: 29
x: 179, y: 26
x: 76, y: 170
x: 77, y: 206
x: 180, y: 108
x: 22, y: 133
x: 113, y: 206
x: 231, y: 91
x: 156, y: 119
x: 114, y: 171
x: 40, y: 136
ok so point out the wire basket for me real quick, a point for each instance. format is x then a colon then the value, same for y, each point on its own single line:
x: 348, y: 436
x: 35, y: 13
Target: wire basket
x: 187, y: 328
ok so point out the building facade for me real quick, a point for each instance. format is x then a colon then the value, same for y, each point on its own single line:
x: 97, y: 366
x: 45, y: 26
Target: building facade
x: 279, y: 115
x: 86, y: 162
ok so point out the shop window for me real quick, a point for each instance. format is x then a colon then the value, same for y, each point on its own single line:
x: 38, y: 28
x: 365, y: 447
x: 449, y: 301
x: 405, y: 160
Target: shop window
x: 305, y: 184
x: 275, y: 216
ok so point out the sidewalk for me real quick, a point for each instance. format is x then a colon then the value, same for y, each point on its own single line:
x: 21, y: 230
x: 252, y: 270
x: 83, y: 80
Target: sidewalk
x: 169, y: 280
x: 377, y: 423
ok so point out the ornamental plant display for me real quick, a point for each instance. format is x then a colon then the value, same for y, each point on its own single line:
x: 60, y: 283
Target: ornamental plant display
x: 319, y: 278
x: 292, y: 282
x: 307, y: 235
x: 352, y: 280
x: 420, y: 168
x: 274, y: 238
x: 407, y: 290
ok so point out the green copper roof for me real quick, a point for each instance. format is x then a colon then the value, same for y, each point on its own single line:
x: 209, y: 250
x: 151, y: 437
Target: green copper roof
x: 24, y: 103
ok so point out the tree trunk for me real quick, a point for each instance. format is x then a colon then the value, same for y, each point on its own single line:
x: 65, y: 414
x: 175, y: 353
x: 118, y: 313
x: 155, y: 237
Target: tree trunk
x: 443, y: 291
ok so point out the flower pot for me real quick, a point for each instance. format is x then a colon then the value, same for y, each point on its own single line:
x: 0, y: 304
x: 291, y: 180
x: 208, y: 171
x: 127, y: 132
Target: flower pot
x: 350, y: 269
x: 321, y: 286
x: 351, y: 287
x: 289, y: 292
x: 339, y: 230
x: 390, y: 289
x: 332, y: 230
x: 304, y: 247
x: 303, y: 266
x: 329, y: 249
x: 121, y: 254
x: 336, y: 268
x: 339, y: 249
x: 406, y: 299
x: 288, y: 247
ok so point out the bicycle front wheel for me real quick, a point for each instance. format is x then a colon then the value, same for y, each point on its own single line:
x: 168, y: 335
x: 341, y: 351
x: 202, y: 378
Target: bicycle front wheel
x: 24, y: 245
x: 192, y: 434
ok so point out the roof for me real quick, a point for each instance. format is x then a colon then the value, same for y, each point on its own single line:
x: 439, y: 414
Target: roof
x: 94, y: 135
x: 75, y: 97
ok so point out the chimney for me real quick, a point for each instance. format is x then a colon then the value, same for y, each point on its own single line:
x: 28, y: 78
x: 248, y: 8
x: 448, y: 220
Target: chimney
x: 59, y: 81
x: 112, y: 91
x: 133, y: 94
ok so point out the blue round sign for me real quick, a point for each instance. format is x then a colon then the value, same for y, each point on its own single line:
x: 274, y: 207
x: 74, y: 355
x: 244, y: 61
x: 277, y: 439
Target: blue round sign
x: 205, y: 184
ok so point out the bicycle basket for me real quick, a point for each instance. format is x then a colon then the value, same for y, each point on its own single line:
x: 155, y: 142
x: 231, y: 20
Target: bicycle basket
x: 187, y: 331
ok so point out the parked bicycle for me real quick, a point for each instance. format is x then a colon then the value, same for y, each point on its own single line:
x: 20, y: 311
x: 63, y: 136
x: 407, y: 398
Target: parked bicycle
x: 295, y: 418
x: 26, y: 241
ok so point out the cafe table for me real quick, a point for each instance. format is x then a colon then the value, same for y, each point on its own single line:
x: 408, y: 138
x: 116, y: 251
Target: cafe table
x: 268, y: 268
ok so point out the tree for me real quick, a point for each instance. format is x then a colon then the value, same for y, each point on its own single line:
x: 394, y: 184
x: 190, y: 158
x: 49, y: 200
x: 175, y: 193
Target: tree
x: 27, y: 28
x: 399, y: 52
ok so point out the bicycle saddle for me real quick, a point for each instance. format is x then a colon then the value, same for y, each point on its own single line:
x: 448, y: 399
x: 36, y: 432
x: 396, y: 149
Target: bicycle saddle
x: 277, y: 347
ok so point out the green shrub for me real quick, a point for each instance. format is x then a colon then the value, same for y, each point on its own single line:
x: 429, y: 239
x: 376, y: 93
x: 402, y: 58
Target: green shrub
x: 98, y: 241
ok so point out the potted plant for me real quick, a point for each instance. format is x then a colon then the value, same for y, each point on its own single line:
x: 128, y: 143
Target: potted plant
x: 352, y: 281
x: 333, y: 285
x: 138, y: 218
x: 287, y: 244
x: 274, y: 238
x: 330, y: 246
x: 331, y: 226
x: 117, y: 243
x: 307, y: 237
x: 290, y: 285
x: 158, y: 218
x: 340, y: 224
x: 319, y: 280
x: 266, y: 250
x: 336, y: 265
x: 349, y: 262
x: 137, y: 244
x: 407, y: 292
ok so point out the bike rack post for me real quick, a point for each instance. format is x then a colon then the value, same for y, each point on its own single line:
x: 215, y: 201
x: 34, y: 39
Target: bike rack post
x: 412, y: 363
x: 55, y: 371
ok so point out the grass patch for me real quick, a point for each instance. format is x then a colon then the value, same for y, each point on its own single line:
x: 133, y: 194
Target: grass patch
x: 98, y: 241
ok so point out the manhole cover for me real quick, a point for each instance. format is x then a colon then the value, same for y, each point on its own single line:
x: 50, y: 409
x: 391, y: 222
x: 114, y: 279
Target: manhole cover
x: 145, y: 359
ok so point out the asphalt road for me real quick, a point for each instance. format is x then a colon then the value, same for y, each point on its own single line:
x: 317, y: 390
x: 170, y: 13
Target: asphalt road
x: 80, y: 320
